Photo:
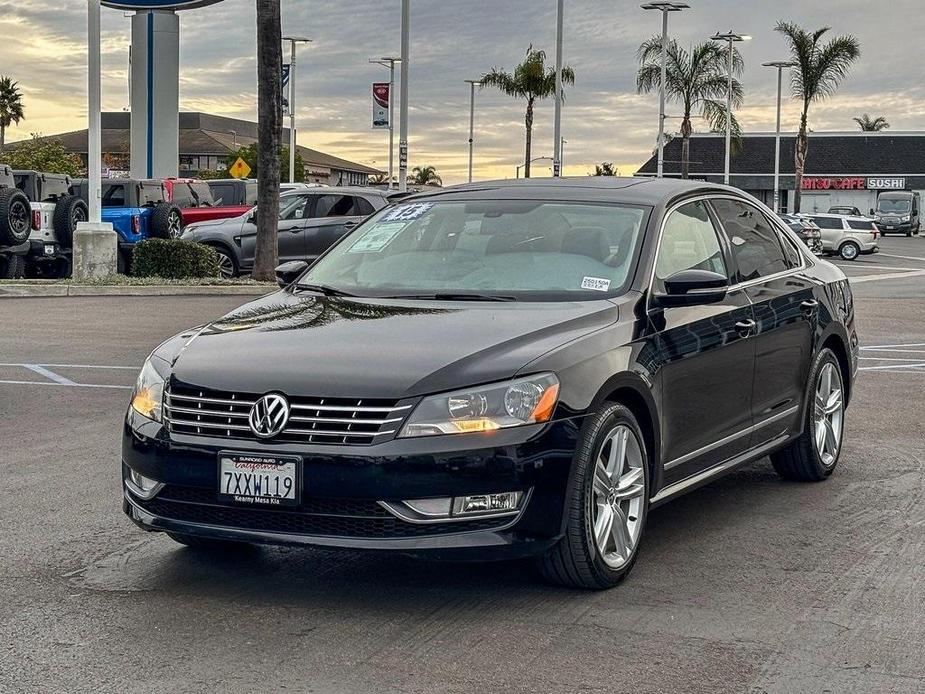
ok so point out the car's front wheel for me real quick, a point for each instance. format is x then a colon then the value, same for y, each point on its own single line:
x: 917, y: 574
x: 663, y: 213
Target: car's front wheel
x: 607, y: 506
x: 813, y: 456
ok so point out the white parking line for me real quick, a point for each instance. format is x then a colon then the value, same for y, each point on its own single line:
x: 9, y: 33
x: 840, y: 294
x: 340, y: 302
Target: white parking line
x: 902, y: 257
x: 64, y: 385
x: 76, y: 366
x: 56, y: 379
x: 886, y: 276
x: 910, y: 344
x: 895, y: 367
x: 51, y: 375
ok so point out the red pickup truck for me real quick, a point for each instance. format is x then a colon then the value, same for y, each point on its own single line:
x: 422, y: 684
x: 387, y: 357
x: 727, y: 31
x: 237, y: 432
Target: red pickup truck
x: 200, y: 201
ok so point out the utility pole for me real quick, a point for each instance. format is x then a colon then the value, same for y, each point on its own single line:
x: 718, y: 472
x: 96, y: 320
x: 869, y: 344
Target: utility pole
x: 664, y: 6
x: 389, y: 62
x: 780, y: 65
x: 405, y: 65
x: 94, y: 139
x: 732, y: 38
x: 557, y: 130
x: 293, y: 40
x: 472, y: 85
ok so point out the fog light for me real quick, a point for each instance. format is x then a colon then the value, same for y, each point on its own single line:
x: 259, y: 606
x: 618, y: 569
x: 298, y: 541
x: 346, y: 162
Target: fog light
x: 486, y: 503
x: 141, y: 486
x: 431, y: 507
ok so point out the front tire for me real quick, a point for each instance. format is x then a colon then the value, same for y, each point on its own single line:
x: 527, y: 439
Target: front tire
x: 166, y: 221
x: 813, y: 456
x: 607, y: 505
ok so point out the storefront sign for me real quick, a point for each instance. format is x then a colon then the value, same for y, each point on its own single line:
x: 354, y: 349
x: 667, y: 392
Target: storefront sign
x: 157, y: 4
x: 833, y: 183
x: 886, y: 183
x: 381, y: 104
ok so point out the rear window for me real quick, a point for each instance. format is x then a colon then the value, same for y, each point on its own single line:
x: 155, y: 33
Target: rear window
x: 861, y: 225
x: 113, y: 195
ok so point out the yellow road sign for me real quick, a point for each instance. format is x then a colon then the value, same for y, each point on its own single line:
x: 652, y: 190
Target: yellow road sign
x: 239, y: 169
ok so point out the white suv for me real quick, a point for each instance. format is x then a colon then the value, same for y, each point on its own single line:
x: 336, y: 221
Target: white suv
x: 847, y: 236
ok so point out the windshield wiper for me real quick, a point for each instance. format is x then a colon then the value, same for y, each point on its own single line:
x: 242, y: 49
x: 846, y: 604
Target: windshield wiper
x: 456, y: 296
x: 324, y: 289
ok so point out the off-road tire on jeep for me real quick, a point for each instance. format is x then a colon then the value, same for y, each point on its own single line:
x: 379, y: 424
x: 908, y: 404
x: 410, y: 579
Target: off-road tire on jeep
x: 69, y: 211
x: 166, y: 221
x: 12, y: 267
x: 15, y: 217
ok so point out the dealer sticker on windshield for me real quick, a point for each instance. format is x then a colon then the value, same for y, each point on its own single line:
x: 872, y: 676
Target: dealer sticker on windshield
x: 407, y: 213
x: 377, y: 238
x: 597, y: 284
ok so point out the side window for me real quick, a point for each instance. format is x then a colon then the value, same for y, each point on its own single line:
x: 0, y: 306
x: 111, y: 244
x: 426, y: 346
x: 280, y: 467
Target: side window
x: 292, y: 207
x: 828, y: 222
x: 363, y: 206
x: 689, y: 242
x: 756, y: 245
x: 250, y: 194
x: 113, y: 195
x: 202, y: 194
x: 222, y: 194
x: 335, y: 206
x: 182, y: 197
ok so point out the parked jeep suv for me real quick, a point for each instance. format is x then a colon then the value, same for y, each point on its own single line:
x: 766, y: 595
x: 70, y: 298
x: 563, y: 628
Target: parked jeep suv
x: 55, y: 216
x: 15, y: 224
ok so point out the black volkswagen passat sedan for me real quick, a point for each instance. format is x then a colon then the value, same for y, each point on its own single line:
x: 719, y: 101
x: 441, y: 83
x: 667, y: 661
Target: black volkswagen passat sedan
x: 500, y: 370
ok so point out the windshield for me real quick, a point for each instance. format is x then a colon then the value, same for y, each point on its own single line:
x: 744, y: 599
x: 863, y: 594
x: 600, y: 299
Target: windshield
x: 529, y: 250
x: 888, y: 206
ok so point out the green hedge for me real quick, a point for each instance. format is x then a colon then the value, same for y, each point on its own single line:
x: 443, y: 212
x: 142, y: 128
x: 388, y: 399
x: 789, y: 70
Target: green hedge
x: 173, y: 259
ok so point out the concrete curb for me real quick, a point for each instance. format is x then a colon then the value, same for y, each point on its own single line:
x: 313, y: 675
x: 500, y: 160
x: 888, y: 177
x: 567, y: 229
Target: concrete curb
x: 12, y: 291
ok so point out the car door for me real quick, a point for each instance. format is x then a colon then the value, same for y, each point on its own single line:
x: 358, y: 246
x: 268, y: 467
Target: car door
x: 293, y: 217
x: 832, y: 230
x: 769, y: 268
x: 333, y: 215
x: 708, y: 358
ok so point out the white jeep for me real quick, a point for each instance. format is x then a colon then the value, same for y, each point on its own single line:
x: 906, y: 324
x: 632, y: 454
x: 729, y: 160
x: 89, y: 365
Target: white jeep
x: 15, y: 221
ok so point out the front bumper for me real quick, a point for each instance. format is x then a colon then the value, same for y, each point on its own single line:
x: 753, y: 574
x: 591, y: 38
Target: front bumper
x: 342, y: 485
x: 894, y: 228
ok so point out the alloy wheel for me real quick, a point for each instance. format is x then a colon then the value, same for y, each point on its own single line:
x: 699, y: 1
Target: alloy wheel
x: 849, y: 251
x: 618, y: 494
x: 828, y: 414
x: 77, y: 216
x: 19, y: 217
x: 225, y: 265
x: 173, y: 225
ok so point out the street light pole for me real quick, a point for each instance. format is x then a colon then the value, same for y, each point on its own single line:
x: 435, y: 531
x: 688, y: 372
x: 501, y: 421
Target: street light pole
x: 94, y: 138
x: 562, y: 143
x: 780, y: 65
x: 293, y: 40
x: 405, y: 65
x: 731, y: 38
x: 472, y: 85
x: 520, y: 166
x: 557, y: 130
x: 664, y: 6
x: 389, y: 62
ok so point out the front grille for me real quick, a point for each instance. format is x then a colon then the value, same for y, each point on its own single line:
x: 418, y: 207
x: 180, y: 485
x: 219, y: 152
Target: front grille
x: 350, y: 518
x: 206, y: 412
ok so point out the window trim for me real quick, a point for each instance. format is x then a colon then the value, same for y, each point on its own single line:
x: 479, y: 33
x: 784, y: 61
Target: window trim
x: 721, y: 240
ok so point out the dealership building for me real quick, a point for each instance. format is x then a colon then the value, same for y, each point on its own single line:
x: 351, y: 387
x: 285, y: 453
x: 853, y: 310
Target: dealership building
x: 842, y: 168
x: 205, y: 143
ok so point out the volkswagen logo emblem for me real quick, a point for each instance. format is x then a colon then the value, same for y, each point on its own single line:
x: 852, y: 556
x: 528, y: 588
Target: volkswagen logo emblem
x: 269, y: 415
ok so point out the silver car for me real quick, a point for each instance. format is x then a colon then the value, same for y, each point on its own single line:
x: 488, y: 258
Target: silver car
x: 847, y: 236
x: 310, y: 221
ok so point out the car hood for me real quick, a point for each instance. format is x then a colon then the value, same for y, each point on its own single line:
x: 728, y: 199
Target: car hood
x: 376, y: 348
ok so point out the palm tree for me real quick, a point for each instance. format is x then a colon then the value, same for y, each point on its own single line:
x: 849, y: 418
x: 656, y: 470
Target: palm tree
x: 872, y: 125
x: 425, y: 176
x: 531, y: 80
x: 11, y: 108
x: 697, y: 79
x: 605, y: 169
x: 269, y: 128
x: 820, y: 69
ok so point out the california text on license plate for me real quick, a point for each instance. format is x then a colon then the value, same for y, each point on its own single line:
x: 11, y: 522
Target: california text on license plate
x: 258, y: 479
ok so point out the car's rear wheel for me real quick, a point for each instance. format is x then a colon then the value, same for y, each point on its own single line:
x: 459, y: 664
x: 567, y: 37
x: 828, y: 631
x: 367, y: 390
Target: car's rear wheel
x: 166, y: 221
x: 208, y: 544
x: 849, y: 250
x: 607, y: 506
x: 15, y: 217
x: 813, y: 456
x: 69, y: 212
x: 12, y: 267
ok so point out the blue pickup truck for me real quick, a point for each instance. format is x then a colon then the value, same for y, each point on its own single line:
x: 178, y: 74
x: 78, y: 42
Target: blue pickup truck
x: 137, y: 208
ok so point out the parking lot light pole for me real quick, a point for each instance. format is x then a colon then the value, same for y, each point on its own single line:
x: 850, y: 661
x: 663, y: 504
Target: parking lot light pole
x: 780, y: 65
x: 94, y: 141
x: 557, y: 129
x: 731, y: 38
x: 664, y: 6
x: 472, y: 86
x: 389, y: 62
x: 293, y: 40
x: 405, y: 69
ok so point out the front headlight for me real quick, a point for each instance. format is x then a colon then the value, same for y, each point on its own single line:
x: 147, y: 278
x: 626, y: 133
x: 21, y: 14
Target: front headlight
x: 485, y: 408
x: 906, y: 218
x: 148, y: 396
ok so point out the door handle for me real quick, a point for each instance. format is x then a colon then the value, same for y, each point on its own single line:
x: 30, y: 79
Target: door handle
x: 349, y: 225
x: 746, y: 328
x: 809, y: 306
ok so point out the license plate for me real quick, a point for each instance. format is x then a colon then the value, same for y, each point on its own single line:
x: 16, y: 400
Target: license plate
x: 258, y: 479
x: 890, y: 226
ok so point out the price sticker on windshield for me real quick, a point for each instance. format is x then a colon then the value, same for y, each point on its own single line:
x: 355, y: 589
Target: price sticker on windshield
x: 377, y: 238
x: 407, y: 213
x: 597, y: 284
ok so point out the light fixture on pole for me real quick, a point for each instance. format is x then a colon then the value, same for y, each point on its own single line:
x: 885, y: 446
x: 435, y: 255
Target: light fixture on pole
x: 731, y: 38
x: 293, y: 40
x: 405, y: 69
x: 557, y: 129
x: 663, y: 6
x: 780, y: 65
x: 520, y: 166
x: 389, y: 62
x: 472, y: 86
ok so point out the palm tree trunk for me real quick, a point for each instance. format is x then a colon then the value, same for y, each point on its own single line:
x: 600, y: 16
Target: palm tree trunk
x: 528, y: 121
x: 686, y: 146
x: 270, y: 121
x: 2, y: 137
x: 799, y: 163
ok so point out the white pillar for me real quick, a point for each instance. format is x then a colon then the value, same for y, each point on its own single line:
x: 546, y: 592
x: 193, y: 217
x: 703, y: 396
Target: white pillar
x: 661, y: 97
x: 405, y: 69
x: 94, y: 132
x: 728, y: 115
x: 292, y: 133
x: 780, y: 71
x: 391, y: 121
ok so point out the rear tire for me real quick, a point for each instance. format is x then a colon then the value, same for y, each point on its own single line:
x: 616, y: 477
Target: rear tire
x: 611, y: 469
x: 15, y: 217
x: 813, y: 456
x: 207, y: 544
x: 12, y: 267
x: 849, y: 250
x: 166, y: 221
x: 69, y: 212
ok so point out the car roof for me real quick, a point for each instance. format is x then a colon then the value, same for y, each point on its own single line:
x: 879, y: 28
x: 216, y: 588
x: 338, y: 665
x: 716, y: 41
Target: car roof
x: 630, y: 190
x: 852, y: 217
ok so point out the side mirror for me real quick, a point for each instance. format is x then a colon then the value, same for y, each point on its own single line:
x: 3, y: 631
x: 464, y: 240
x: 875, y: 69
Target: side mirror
x: 287, y: 273
x: 871, y: 211
x: 693, y: 288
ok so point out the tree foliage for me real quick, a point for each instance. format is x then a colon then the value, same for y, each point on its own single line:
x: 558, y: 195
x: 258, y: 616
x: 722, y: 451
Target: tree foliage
x: 43, y: 154
x: 871, y: 125
x: 11, y: 106
x: 425, y: 176
x: 606, y: 169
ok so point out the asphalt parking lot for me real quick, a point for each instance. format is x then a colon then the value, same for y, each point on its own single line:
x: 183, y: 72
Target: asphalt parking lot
x: 747, y: 585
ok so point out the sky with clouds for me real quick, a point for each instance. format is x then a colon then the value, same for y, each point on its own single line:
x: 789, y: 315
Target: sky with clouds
x: 44, y: 49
